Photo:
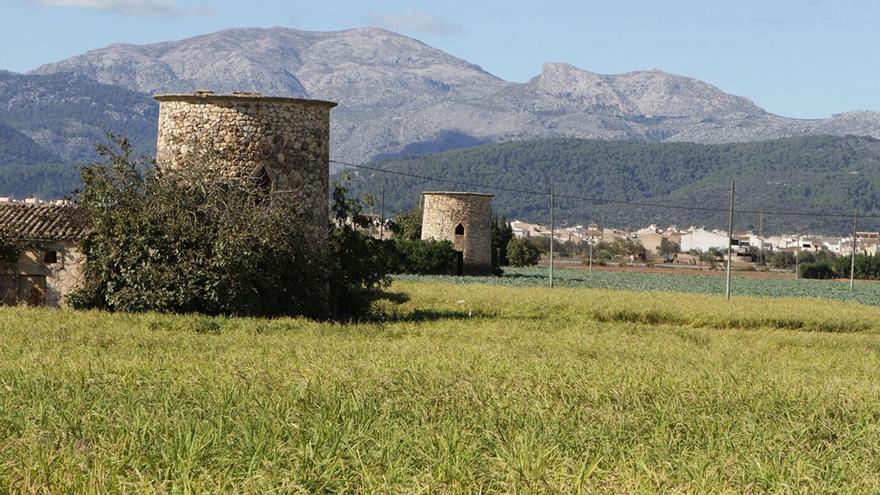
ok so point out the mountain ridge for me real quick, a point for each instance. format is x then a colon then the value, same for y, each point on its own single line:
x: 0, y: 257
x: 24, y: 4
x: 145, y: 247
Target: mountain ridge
x: 397, y: 93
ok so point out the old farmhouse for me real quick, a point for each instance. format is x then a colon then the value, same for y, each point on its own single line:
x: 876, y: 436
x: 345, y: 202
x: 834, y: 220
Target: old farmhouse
x: 42, y: 258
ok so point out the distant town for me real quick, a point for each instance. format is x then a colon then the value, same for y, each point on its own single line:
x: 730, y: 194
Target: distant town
x: 698, y: 239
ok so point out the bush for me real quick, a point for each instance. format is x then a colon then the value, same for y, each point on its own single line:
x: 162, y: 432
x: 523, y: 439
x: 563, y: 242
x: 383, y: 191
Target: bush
x: 189, y: 240
x: 10, y: 247
x: 407, y: 225
x: 817, y: 269
x: 867, y: 267
x: 782, y: 260
x: 523, y: 252
x: 419, y: 257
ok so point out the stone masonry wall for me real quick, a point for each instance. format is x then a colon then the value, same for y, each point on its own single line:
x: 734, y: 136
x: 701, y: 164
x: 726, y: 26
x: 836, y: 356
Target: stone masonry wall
x: 443, y: 211
x: 288, y: 138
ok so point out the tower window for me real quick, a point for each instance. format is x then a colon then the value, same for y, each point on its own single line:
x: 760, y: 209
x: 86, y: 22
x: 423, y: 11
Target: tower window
x: 459, y: 229
x: 264, y: 182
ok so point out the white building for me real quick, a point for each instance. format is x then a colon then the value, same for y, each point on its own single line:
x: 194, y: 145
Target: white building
x: 703, y: 240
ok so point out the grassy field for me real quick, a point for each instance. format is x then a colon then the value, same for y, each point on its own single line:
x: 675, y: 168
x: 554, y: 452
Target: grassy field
x: 465, y: 389
x: 866, y: 292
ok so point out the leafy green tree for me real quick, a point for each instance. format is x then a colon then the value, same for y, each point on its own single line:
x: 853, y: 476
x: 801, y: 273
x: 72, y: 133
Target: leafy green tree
x: 782, y: 260
x: 407, y: 224
x: 357, y: 265
x: 188, y: 240
x: 668, y: 247
x: 817, y: 269
x: 502, y: 233
x: 523, y: 252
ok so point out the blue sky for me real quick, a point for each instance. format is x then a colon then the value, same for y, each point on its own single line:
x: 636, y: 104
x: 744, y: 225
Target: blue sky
x: 799, y: 58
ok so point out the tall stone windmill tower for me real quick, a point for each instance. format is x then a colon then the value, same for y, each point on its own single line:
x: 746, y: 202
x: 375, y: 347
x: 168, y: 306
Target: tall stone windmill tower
x: 284, y: 143
x: 465, y: 219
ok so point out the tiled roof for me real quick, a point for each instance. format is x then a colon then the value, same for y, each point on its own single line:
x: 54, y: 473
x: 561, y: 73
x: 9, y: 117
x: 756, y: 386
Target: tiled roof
x: 42, y: 222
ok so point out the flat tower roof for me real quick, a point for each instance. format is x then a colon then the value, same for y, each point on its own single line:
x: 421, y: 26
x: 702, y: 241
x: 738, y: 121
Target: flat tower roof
x: 209, y: 96
x: 458, y: 193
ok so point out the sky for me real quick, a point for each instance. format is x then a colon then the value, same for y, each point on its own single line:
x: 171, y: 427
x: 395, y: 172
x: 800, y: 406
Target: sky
x: 797, y: 58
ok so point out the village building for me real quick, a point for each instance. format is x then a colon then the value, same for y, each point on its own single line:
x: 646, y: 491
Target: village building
x: 45, y: 262
x: 703, y: 240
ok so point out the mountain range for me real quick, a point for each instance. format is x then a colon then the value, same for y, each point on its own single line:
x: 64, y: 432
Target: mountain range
x: 809, y: 175
x: 396, y: 95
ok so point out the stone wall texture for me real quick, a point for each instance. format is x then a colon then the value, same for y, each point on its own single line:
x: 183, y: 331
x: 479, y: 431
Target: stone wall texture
x: 246, y: 134
x: 444, y: 211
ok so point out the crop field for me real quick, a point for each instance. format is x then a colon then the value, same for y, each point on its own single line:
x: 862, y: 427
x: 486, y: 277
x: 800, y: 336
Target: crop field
x: 866, y: 292
x: 464, y: 388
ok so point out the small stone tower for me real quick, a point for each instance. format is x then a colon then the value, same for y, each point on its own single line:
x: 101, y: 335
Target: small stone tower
x: 282, y: 142
x: 465, y: 218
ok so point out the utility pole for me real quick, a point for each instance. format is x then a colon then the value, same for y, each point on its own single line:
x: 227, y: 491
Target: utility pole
x: 797, y: 258
x: 590, y: 241
x: 761, y: 236
x: 382, y: 216
x: 552, y: 228
x: 729, y: 239
x: 852, y: 262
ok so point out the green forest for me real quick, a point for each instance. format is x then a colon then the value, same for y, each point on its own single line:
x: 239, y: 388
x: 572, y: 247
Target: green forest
x: 805, y: 175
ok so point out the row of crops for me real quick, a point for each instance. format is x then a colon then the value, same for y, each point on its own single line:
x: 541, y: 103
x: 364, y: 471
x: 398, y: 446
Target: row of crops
x: 865, y: 292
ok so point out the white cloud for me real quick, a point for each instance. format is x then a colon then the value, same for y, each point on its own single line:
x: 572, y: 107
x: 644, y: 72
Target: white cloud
x: 124, y: 7
x: 415, y: 21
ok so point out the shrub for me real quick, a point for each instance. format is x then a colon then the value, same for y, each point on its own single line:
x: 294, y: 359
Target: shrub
x: 419, y: 257
x: 867, y: 267
x: 817, y: 269
x: 523, y: 252
x: 190, y: 240
x: 10, y: 247
x: 782, y: 260
x: 407, y: 225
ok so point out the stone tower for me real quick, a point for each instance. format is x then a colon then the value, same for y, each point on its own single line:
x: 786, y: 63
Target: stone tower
x: 282, y: 142
x: 465, y: 218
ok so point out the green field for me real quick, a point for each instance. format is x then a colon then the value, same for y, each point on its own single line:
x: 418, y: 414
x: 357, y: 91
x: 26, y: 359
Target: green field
x: 866, y: 292
x: 464, y: 389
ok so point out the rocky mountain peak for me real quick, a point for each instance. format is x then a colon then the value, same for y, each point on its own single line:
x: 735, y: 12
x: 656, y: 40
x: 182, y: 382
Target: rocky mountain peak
x: 399, y: 95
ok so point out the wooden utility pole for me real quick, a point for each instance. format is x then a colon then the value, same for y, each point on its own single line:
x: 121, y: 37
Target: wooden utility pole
x: 852, y: 262
x: 729, y: 239
x: 552, y: 228
x: 761, y: 236
x: 382, y: 216
x: 591, y: 253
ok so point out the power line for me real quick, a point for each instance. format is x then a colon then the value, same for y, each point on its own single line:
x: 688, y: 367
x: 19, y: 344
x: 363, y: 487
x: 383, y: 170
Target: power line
x: 598, y: 200
x: 449, y: 181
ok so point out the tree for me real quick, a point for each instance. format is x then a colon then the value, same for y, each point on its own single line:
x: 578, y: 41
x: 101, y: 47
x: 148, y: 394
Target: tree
x: 191, y: 240
x: 502, y: 233
x: 668, y: 247
x: 817, y: 269
x: 782, y: 260
x: 523, y: 252
x: 408, y: 224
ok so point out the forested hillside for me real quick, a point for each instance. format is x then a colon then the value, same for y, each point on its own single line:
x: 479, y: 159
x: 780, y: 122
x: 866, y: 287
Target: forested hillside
x: 805, y: 174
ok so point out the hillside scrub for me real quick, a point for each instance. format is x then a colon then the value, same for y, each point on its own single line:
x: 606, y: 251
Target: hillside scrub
x: 470, y: 388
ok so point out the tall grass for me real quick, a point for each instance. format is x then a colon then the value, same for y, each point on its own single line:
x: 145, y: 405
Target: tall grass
x: 466, y: 389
